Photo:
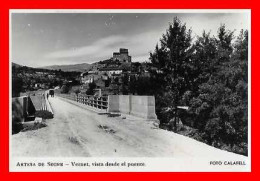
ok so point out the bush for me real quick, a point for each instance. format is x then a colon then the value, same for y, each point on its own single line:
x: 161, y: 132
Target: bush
x: 64, y: 89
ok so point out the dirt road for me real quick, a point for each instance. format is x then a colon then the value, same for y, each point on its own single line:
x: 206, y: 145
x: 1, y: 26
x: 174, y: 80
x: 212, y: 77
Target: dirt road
x: 78, y: 132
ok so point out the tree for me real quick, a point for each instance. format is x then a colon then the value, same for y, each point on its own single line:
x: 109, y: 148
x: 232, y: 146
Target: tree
x: 91, y: 88
x: 141, y: 86
x: 209, y: 76
x: 173, y: 63
x: 203, y: 60
x: 132, y: 84
x: 124, y: 86
x: 237, y: 76
x: 219, y: 105
x: 64, y: 89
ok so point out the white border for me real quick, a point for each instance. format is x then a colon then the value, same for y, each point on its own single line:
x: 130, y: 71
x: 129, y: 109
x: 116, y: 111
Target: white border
x: 130, y: 11
x: 154, y: 164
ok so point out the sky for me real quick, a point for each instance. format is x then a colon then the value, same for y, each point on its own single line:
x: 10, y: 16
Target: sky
x: 42, y: 39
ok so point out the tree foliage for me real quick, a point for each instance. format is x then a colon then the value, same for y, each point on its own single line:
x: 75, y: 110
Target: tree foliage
x: 210, y: 76
x: 91, y: 88
x: 65, y: 89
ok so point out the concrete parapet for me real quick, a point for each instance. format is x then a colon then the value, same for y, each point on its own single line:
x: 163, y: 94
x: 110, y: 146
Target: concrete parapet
x: 143, y: 106
x: 47, y: 104
x: 49, y: 108
x: 125, y: 104
x: 22, y: 108
x: 113, y: 103
x: 139, y: 106
x: 37, y: 102
x: 19, y: 109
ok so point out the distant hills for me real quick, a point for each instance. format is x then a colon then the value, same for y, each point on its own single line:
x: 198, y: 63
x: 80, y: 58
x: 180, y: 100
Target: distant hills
x: 65, y: 68
x: 70, y: 68
x: 82, y: 67
x: 16, y: 65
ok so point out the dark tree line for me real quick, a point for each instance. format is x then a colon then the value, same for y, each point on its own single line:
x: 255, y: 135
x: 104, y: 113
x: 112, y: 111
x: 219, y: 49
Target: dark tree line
x: 209, y: 74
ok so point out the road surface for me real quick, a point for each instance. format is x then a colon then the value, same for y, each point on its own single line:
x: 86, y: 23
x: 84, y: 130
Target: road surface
x: 77, y: 132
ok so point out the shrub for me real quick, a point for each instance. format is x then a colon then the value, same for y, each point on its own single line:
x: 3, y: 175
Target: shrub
x: 64, y: 89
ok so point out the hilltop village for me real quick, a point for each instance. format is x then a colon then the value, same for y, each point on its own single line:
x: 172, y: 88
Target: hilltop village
x: 116, y: 75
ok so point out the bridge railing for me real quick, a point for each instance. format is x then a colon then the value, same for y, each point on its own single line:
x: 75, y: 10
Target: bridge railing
x: 89, y: 100
x: 96, y: 102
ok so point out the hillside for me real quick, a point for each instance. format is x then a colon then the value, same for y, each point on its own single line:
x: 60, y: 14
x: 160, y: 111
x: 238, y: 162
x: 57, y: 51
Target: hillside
x: 16, y: 65
x: 69, y: 68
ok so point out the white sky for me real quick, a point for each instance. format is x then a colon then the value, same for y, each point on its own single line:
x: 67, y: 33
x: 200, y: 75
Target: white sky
x: 41, y: 39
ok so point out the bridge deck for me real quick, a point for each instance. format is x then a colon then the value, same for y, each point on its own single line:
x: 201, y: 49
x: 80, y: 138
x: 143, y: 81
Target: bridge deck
x: 77, y: 132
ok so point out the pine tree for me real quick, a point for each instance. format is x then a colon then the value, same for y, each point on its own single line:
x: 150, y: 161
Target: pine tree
x: 173, y: 63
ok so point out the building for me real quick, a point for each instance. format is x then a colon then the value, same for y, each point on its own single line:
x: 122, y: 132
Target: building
x: 112, y: 71
x: 122, y: 56
x: 88, y: 77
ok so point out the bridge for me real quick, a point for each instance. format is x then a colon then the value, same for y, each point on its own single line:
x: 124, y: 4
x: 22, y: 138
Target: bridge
x: 89, y: 127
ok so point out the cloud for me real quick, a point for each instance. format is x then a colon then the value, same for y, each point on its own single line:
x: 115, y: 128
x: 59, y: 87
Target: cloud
x: 94, y: 49
x: 139, y: 47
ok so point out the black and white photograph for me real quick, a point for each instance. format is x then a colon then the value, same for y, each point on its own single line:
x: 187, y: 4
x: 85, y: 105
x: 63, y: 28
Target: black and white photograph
x: 127, y: 90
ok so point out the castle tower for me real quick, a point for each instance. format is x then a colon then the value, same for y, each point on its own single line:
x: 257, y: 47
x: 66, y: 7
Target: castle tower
x: 122, y: 56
